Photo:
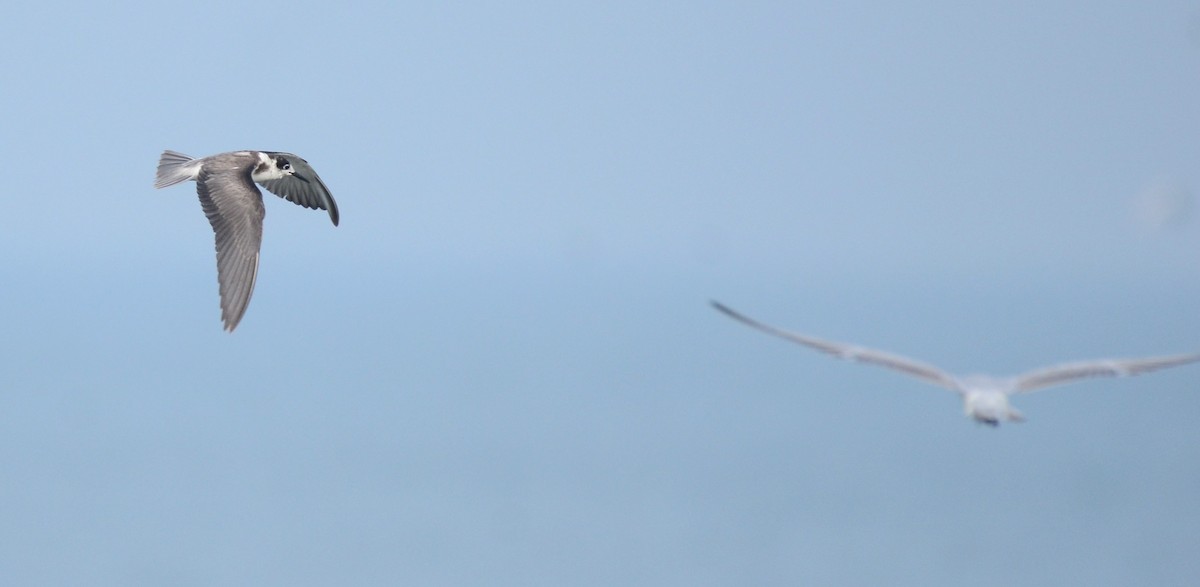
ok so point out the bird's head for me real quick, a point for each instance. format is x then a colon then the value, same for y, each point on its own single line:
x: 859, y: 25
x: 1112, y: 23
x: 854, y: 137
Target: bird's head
x: 286, y: 168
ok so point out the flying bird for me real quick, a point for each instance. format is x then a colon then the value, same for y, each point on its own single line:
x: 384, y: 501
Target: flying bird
x: 234, y: 207
x: 985, y: 398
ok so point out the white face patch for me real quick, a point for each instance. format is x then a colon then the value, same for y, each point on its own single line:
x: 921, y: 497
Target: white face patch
x: 266, y: 169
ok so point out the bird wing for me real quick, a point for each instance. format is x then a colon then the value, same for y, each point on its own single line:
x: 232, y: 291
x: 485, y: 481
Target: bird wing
x: 235, y: 209
x: 1069, y: 372
x: 304, y: 188
x: 905, y: 365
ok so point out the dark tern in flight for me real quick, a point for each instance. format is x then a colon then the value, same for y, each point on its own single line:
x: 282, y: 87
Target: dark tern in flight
x: 985, y: 398
x: 234, y: 207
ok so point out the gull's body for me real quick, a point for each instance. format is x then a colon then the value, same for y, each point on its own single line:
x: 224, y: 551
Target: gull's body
x: 234, y: 207
x: 985, y: 398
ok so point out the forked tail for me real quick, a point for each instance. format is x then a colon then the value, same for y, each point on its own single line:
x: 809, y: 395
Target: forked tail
x: 173, y: 168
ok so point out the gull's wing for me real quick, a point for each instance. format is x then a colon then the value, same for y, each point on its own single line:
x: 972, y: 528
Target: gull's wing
x: 905, y: 365
x: 304, y: 188
x: 1066, y: 373
x: 235, y: 209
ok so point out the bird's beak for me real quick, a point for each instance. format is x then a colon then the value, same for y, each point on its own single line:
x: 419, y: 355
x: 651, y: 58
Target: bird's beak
x: 299, y: 177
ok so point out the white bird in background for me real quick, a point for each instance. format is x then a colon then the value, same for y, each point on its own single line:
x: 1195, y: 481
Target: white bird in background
x: 985, y: 398
x: 235, y: 209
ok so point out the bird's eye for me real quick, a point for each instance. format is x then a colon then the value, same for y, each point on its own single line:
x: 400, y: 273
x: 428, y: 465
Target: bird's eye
x: 287, y: 166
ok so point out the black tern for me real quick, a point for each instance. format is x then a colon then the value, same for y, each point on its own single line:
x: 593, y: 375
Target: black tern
x: 234, y: 207
x: 985, y: 398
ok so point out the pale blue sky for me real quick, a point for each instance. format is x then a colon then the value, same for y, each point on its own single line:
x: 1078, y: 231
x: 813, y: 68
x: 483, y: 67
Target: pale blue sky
x: 501, y: 368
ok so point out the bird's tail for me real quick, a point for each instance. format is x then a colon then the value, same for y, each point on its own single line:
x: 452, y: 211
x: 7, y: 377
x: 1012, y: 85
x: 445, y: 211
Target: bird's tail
x: 173, y: 167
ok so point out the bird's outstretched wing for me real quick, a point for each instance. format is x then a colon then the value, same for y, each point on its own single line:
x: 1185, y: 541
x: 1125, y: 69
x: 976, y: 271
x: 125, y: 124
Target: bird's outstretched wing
x: 235, y: 209
x: 905, y: 365
x: 304, y: 187
x: 1069, y: 372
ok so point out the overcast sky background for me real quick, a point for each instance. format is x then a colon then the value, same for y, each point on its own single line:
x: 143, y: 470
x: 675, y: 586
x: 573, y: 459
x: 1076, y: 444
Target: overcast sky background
x: 501, y: 369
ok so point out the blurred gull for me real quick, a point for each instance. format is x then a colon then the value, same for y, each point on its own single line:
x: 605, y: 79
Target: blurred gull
x: 1163, y: 205
x: 985, y: 398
